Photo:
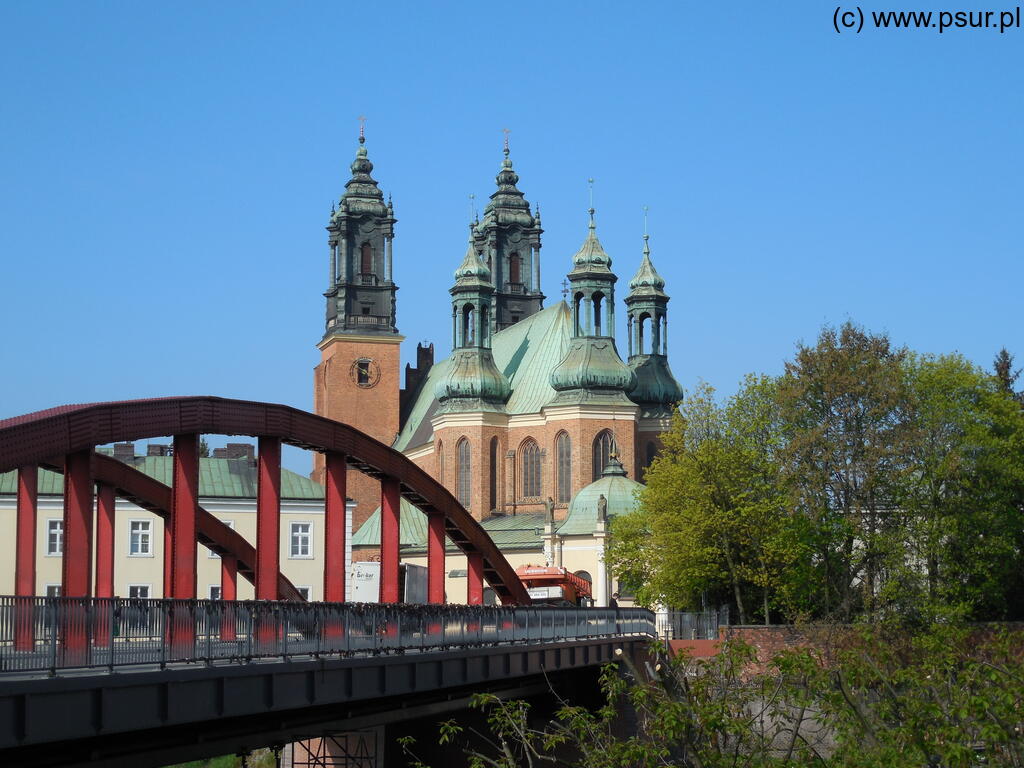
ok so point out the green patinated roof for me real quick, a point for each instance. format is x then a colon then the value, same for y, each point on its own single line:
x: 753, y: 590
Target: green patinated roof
x: 509, y: 532
x: 619, y: 491
x: 526, y: 353
x: 412, y: 528
x: 227, y: 478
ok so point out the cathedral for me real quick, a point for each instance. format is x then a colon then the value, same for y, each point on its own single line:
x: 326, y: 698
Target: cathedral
x: 533, y: 422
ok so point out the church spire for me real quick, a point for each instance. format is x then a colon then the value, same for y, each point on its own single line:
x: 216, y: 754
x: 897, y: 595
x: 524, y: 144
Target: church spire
x: 473, y: 382
x: 592, y: 370
x: 657, y: 390
x: 509, y: 239
x: 360, y: 291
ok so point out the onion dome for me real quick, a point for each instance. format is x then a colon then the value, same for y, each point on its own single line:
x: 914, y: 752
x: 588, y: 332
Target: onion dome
x: 619, y: 492
x: 473, y: 382
x: 591, y: 256
x: 646, y: 279
x: 655, y: 384
x: 592, y: 370
x: 472, y: 269
x: 508, y: 205
x: 362, y: 195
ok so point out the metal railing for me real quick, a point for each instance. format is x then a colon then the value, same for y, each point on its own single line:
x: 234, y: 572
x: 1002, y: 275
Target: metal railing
x: 690, y: 625
x: 52, y: 633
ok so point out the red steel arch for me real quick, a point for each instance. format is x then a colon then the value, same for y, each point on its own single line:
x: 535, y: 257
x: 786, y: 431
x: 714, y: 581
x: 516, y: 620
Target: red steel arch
x: 46, y: 437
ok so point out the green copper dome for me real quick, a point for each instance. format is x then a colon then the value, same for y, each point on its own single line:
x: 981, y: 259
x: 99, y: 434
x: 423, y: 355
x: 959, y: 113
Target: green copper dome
x: 472, y: 269
x: 646, y: 279
x: 655, y: 384
x: 362, y: 195
x: 591, y: 256
x: 619, y: 493
x: 508, y: 205
x: 473, y: 382
x: 592, y: 370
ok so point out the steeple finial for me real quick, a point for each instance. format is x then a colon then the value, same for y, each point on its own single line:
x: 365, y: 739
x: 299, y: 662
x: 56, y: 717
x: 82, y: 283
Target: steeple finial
x: 472, y: 207
x: 647, y: 248
x: 362, y: 129
x: 590, y: 183
x: 506, y: 131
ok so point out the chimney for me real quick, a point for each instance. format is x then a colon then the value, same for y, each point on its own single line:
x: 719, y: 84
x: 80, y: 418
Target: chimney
x: 125, y: 452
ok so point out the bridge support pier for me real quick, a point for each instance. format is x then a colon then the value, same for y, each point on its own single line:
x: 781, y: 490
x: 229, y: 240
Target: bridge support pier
x: 268, y: 518
x: 390, y: 536
x: 228, y: 594
x: 268, y: 535
x: 475, y: 578
x: 76, y: 565
x: 335, y: 470
x: 25, y: 556
x: 435, y: 557
x: 105, y: 501
x: 185, y: 499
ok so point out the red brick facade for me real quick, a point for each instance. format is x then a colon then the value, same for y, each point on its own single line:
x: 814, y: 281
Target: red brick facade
x: 370, y: 406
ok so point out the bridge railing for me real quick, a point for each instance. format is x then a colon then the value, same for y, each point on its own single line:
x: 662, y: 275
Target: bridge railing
x: 51, y: 633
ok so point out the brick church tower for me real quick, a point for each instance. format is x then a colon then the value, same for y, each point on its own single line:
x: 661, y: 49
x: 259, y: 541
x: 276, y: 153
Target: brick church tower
x: 357, y: 380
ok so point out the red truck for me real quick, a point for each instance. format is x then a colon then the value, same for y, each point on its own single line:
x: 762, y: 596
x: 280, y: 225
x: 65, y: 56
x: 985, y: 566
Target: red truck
x: 549, y: 585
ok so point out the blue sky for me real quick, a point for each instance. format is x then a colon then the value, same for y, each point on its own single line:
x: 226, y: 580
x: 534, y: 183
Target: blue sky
x: 168, y: 170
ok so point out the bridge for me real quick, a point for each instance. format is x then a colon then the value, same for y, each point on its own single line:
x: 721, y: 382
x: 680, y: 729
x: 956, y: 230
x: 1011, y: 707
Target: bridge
x: 89, y: 677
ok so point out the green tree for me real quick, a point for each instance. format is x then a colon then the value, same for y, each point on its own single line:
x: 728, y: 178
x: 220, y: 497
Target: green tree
x: 713, y: 517
x: 961, y: 498
x: 1006, y: 375
x: 843, y: 402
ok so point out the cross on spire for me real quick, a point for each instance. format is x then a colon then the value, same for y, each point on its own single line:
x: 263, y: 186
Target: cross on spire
x: 506, y: 131
x: 565, y: 288
x: 362, y: 129
x: 472, y: 207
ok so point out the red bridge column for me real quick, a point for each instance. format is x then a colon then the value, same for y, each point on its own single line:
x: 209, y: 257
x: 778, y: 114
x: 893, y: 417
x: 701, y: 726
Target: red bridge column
x: 390, y: 536
x: 435, y: 557
x: 335, y: 469
x: 185, y: 499
x: 268, y: 518
x: 168, y: 552
x: 25, y: 556
x: 475, y: 577
x: 228, y: 594
x: 76, y: 566
x: 105, y: 500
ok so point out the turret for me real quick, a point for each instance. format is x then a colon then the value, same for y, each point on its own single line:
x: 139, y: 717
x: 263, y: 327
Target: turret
x: 657, y: 390
x: 360, y: 290
x: 592, y: 370
x: 508, y: 240
x: 473, y: 382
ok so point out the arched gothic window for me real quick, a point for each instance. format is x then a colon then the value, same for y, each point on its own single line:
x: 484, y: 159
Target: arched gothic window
x: 513, y: 268
x: 465, y: 484
x: 530, y: 472
x: 597, y: 298
x: 440, y: 462
x: 494, y: 473
x: 366, y: 259
x: 563, y: 467
x: 604, y: 445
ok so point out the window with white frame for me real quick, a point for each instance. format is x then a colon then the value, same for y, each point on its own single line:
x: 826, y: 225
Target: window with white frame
x: 140, y: 538
x: 304, y: 591
x: 215, y: 591
x: 138, y: 591
x: 53, y: 590
x: 230, y: 524
x: 55, y: 537
x: 302, y: 540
